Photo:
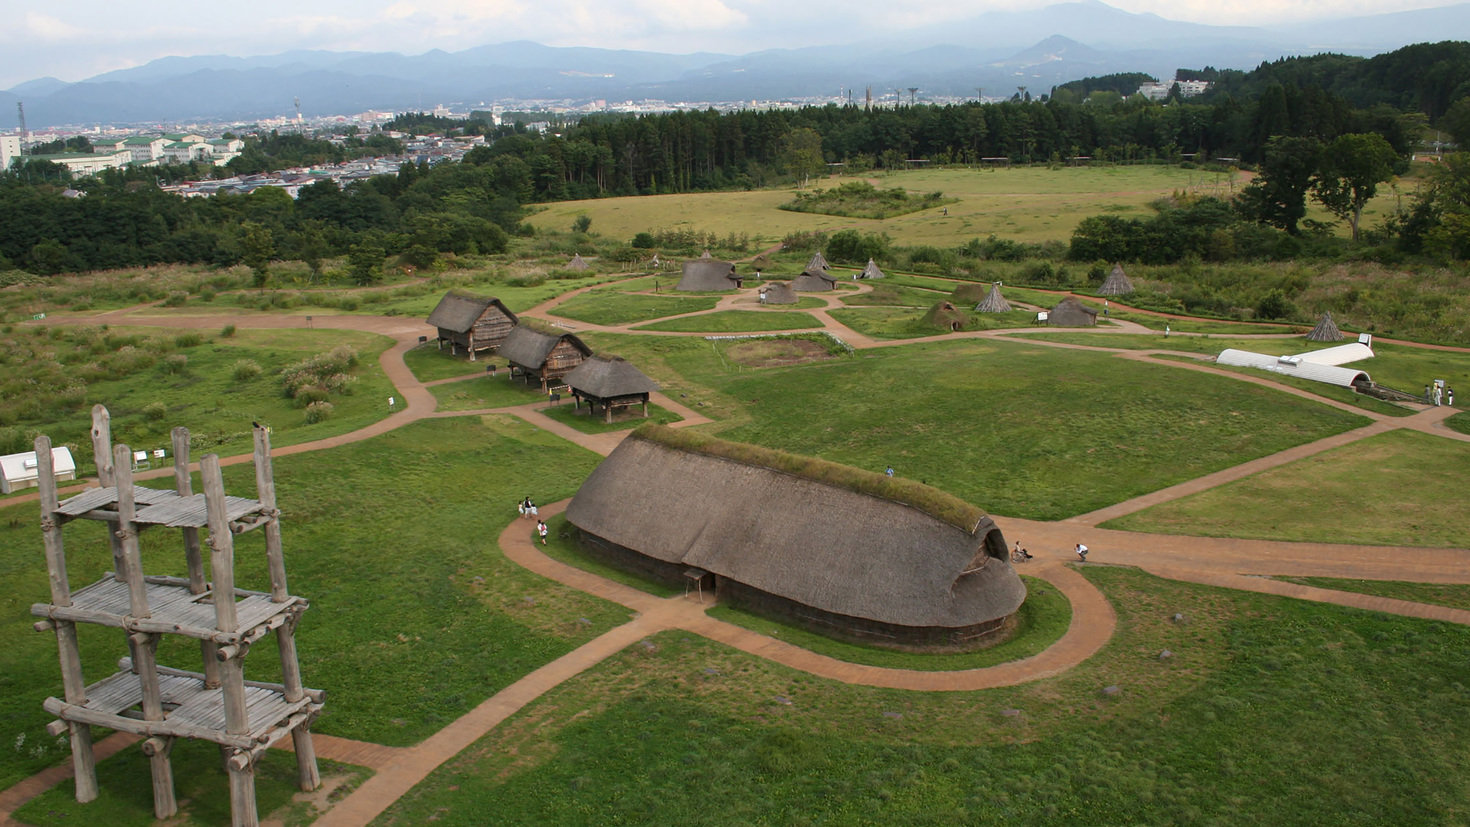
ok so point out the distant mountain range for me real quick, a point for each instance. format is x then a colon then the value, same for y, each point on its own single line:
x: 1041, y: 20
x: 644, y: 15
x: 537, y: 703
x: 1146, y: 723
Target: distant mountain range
x: 1001, y: 51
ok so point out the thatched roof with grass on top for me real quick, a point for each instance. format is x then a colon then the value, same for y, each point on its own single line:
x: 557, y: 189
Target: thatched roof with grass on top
x: 993, y: 302
x: 968, y: 294
x: 1071, y: 313
x: 817, y: 262
x: 835, y: 538
x: 458, y: 312
x: 529, y: 348
x: 813, y: 280
x: 871, y: 271
x: 779, y: 292
x: 606, y: 377
x: 1116, y: 284
x: 1325, y: 331
x: 707, y: 275
x: 946, y: 316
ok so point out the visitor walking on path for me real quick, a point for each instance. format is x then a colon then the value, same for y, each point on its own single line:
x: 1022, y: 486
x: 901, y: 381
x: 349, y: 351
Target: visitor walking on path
x: 1082, y: 552
x: 521, y: 508
x: 889, y: 472
x: 1450, y: 395
x: 534, y: 514
x: 526, y: 507
x: 541, y: 530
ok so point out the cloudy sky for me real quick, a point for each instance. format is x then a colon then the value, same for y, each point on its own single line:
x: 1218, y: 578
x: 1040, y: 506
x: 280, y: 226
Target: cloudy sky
x: 81, y: 38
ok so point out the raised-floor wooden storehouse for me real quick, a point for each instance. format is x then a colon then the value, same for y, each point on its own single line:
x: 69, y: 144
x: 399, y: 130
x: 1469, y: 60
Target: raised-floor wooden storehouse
x: 542, y: 357
x: 707, y: 275
x: 146, y: 698
x: 850, y: 552
x: 1071, y: 313
x: 814, y: 280
x: 471, y: 322
x: 611, y: 382
x: 778, y: 292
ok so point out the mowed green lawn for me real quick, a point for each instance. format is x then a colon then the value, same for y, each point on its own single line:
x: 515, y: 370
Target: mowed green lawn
x: 1268, y: 712
x: 1017, y: 429
x: 415, y: 615
x: 1401, y: 489
x: 1023, y: 204
x: 607, y: 307
x: 737, y: 321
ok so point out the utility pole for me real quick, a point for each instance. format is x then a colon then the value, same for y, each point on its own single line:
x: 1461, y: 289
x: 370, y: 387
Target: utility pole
x: 20, y: 107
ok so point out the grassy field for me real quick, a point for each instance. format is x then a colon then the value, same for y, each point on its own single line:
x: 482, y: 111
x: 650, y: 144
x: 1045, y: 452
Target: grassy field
x: 1023, y: 204
x: 1459, y: 422
x: 429, y: 363
x: 1269, y: 712
x: 607, y: 307
x: 908, y: 322
x: 737, y: 321
x: 415, y: 615
x: 1020, y: 430
x: 1454, y: 595
x: 1336, y: 496
x: 1041, y: 621
x: 894, y: 295
x: 154, y: 379
x: 622, y: 421
x: 125, y: 792
x: 484, y: 392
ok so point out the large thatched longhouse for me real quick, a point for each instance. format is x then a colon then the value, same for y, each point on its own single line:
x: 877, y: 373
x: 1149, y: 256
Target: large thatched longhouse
x: 850, y: 552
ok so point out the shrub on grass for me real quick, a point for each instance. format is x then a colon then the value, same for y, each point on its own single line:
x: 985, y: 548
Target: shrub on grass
x: 177, y: 298
x: 227, y: 331
x: 188, y: 339
x: 306, y: 397
x: 324, y: 370
x: 246, y: 370
x: 175, y: 363
x: 207, y: 294
x: 318, y: 412
x: 155, y: 411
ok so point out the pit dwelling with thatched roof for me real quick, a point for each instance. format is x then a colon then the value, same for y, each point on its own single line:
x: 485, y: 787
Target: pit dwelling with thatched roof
x: 471, y: 322
x: 814, y: 280
x: 708, y: 275
x: 945, y: 316
x: 1070, y: 312
x: 542, y: 356
x: 848, y: 552
x: 609, y: 381
x: 778, y: 292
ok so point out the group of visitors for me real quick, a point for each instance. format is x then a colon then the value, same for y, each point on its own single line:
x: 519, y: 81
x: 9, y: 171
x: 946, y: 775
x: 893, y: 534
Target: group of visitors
x: 527, y: 509
x: 1439, y: 394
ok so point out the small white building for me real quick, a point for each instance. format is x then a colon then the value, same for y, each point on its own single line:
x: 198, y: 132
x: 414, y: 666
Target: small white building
x: 19, y: 471
x: 9, y: 150
x: 87, y: 163
x: 183, y: 152
x: 144, y: 148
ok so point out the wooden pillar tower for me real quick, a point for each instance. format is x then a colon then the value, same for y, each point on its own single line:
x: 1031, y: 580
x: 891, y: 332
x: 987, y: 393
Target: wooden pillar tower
x: 161, y: 703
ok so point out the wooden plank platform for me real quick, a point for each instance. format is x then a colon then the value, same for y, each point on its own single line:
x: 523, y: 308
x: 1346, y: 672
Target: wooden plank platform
x: 173, y: 609
x: 94, y: 498
x: 159, y: 506
x: 190, y: 710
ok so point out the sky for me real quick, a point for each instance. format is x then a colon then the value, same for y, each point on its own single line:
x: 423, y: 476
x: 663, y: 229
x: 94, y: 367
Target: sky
x: 82, y: 38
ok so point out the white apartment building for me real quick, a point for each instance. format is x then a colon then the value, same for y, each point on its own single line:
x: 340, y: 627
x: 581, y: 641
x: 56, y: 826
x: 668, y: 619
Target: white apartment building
x: 9, y: 149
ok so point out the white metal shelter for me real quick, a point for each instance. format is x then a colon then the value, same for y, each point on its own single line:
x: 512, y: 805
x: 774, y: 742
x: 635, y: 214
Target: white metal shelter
x: 19, y: 471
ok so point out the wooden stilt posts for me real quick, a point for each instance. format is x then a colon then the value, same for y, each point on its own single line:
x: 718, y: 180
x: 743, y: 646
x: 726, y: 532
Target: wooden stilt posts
x: 83, y: 761
x: 193, y: 555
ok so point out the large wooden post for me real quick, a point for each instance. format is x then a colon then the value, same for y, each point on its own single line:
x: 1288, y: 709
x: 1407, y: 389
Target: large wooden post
x: 265, y: 484
x: 83, y: 761
x: 103, y: 456
x: 193, y: 553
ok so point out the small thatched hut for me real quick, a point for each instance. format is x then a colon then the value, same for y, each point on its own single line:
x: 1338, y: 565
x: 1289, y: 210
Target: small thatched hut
x: 817, y: 262
x: 993, y: 302
x: 778, y: 292
x: 542, y: 356
x: 813, y: 280
x: 471, y: 322
x: 1116, y: 284
x: 1325, y: 331
x: 871, y: 271
x: 707, y: 275
x: 610, y: 382
x: 578, y: 263
x: 1071, y: 313
x: 705, y: 255
x: 946, y: 316
x: 884, y: 560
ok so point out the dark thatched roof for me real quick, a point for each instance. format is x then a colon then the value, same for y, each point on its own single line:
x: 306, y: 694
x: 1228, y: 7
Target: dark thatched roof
x: 779, y: 292
x: 1071, y: 313
x: 608, y: 376
x: 1325, y: 331
x: 1117, y: 283
x: 969, y: 293
x: 813, y: 281
x: 578, y: 263
x: 871, y: 271
x: 817, y: 262
x: 993, y: 302
x: 822, y: 535
x: 459, y: 312
x: 707, y: 275
x: 946, y: 316
x: 529, y: 348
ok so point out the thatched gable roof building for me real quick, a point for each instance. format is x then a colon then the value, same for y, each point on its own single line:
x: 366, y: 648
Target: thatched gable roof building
x: 542, y: 356
x: 778, y: 292
x: 993, y: 302
x: 813, y: 280
x: 1325, y: 331
x: 817, y: 262
x: 578, y: 263
x: 945, y: 316
x: 1071, y: 313
x: 875, y: 558
x: 707, y: 275
x: 871, y: 271
x: 1116, y: 284
x: 471, y: 322
x: 611, y: 382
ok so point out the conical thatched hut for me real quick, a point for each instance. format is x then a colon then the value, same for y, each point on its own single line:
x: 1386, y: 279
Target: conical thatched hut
x: 947, y: 317
x: 1325, y: 331
x: 813, y: 281
x: 577, y: 263
x: 871, y: 271
x: 1071, y: 313
x: 817, y: 262
x: 871, y: 557
x: 705, y: 255
x: 778, y: 292
x: 993, y: 302
x: 707, y: 275
x: 1117, y: 283
x: 611, y: 382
